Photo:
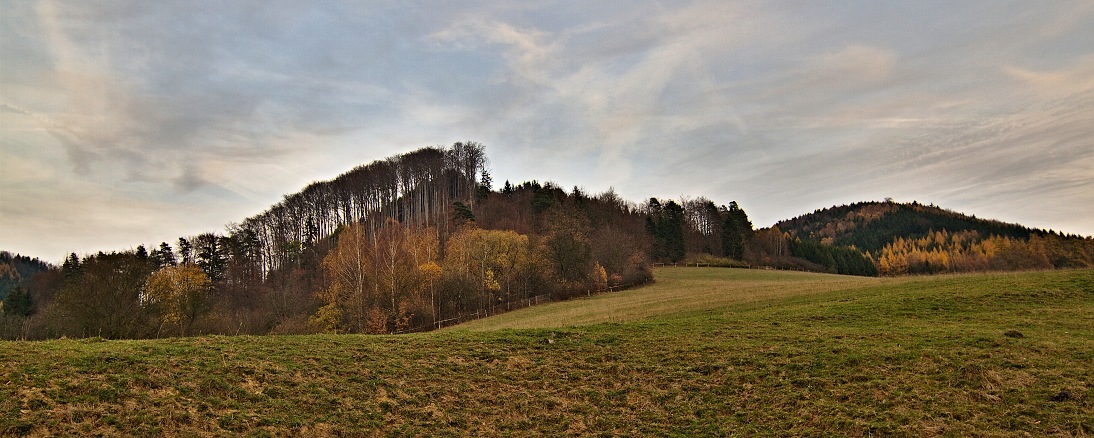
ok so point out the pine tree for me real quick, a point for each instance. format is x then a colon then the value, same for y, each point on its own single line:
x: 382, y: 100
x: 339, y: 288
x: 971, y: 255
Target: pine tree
x: 18, y: 302
x: 166, y: 256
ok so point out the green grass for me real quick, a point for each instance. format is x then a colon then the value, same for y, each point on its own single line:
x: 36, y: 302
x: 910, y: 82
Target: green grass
x: 676, y: 290
x: 746, y: 353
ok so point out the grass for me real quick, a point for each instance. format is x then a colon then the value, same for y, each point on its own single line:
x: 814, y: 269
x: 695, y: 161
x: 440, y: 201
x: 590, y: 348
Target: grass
x: 699, y: 353
x: 676, y: 290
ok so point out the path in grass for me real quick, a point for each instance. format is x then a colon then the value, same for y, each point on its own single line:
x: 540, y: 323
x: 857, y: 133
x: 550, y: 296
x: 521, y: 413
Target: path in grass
x: 676, y: 290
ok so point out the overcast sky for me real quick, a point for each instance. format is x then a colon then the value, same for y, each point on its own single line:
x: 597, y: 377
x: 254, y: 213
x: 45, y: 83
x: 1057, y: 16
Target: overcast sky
x: 130, y: 122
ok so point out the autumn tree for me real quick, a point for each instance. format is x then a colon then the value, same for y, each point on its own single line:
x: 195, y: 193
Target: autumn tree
x: 488, y: 262
x: 179, y: 295
x: 568, y: 249
x: 348, y: 296
x: 376, y: 282
x: 622, y: 254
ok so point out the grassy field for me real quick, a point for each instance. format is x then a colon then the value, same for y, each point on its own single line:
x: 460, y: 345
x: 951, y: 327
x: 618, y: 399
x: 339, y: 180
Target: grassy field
x: 677, y: 290
x: 702, y: 352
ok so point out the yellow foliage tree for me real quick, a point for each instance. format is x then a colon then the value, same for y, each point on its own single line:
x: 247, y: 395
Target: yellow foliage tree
x: 430, y: 273
x: 180, y: 294
x: 491, y: 259
x: 600, y: 277
x: 376, y: 279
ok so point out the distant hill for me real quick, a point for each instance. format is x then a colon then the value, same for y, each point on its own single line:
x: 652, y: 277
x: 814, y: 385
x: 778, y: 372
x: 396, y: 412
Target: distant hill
x: 869, y: 226
x: 17, y: 270
x: 912, y: 238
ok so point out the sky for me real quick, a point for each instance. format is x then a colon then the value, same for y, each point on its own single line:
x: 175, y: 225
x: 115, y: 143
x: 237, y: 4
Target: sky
x: 134, y: 122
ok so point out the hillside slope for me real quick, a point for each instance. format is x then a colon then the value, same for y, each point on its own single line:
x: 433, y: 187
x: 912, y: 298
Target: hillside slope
x: 870, y: 226
x: 920, y: 239
x: 676, y: 290
x: 984, y: 354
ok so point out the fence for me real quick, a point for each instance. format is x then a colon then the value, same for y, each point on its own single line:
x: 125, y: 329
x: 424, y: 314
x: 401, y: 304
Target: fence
x: 510, y: 306
x: 697, y: 265
x: 707, y: 265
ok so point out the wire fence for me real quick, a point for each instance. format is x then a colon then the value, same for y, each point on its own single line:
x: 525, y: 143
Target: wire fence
x: 747, y: 266
x: 514, y: 305
x: 699, y: 265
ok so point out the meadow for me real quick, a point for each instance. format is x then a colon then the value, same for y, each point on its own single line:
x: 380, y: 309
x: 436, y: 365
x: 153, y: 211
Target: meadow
x: 703, y: 351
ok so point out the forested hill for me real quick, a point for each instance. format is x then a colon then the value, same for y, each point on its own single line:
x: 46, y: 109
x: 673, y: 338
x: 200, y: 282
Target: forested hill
x: 422, y: 240
x: 869, y: 226
x: 902, y: 238
x: 412, y: 242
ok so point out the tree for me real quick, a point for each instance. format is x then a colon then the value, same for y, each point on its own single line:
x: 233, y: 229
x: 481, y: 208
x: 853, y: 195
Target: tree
x: 18, y: 303
x: 348, y: 296
x: 668, y: 229
x: 486, y: 184
x: 212, y: 255
x: 185, y: 251
x: 622, y: 254
x: 165, y: 256
x: 488, y: 262
x: 71, y: 268
x: 179, y: 294
x: 568, y: 249
x: 430, y: 273
x: 736, y: 231
x: 462, y: 213
x: 103, y: 298
x: 376, y: 282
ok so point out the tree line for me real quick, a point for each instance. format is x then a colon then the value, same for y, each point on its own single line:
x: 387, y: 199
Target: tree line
x: 261, y: 275
x: 402, y: 243
x: 419, y: 239
x: 968, y: 251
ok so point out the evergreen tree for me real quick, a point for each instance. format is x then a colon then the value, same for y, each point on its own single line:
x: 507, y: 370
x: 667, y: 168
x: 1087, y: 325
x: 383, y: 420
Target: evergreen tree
x: 71, y: 268
x: 672, y: 231
x: 18, y: 302
x: 165, y: 256
x: 462, y: 213
x: 486, y: 184
x: 185, y: 251
x: 736, y: 230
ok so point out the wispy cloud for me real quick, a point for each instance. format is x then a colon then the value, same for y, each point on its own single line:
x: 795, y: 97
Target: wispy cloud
x: 150, y: 109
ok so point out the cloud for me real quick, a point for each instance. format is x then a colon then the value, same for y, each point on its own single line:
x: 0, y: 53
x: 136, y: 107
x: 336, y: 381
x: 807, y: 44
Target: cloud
x: 785, y: 108
x: 527, y: 53
x: 853, y: 64
x: 6, y: 108
x: 1077, y: 78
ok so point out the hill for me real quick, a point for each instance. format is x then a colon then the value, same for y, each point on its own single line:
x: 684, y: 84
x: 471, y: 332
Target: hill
x: 985, y: 354
x: 17, y: 271
x: 913, y: 238
x: 422, y: 240
x: 870, y: 226
x: 408, y: 243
